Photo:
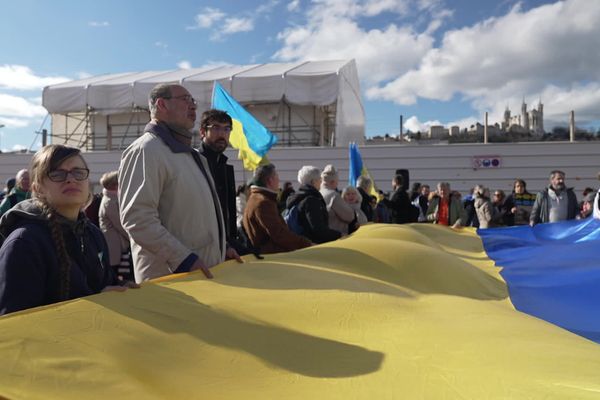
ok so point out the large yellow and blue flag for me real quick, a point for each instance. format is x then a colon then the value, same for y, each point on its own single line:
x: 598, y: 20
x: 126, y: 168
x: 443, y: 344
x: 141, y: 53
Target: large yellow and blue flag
x: 357, y: 168
x: 248, y: 135
x: 552, y: 271
x: 414, y: 311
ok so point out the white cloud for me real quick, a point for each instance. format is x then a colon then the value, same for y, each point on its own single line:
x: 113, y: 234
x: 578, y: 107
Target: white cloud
x: 414, y: 125
x: 332, y: 31
x: 14, y: 106
x: 549, y: 51
x: 376, y: 7
x: 160, y: 44
x: 21, y: 77
x: 14, y: 122
x: 83, y: 75
x: 184, y: 64
x: 266, y: 7
x: 222, y: 24
x: 293, y: 5
x: 232, y: 25
x: 467, y: 122
x: 235, y: 25
x: 558, y: 102
x: 380, y: 54
x: 207, y: 18
x: 215, y: 64
x: 18, y: 147
x: 99, y: 24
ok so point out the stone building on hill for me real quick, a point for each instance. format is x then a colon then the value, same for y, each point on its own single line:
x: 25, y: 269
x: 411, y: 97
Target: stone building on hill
x: 526, y: 122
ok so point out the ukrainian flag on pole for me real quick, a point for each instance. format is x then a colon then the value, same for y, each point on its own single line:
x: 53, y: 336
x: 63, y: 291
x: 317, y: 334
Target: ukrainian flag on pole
x: 357, y: 168
x: 249, y: 136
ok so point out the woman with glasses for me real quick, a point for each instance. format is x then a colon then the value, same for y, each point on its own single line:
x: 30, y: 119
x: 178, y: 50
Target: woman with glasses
x: 50, y: 251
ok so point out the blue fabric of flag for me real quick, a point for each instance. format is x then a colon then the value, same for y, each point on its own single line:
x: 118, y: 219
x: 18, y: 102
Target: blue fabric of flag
x: 552, y: 271
x: 248, y: 135
x: 356, y: 164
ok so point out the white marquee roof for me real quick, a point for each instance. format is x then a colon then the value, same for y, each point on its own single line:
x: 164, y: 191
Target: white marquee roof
x: 316, y: 83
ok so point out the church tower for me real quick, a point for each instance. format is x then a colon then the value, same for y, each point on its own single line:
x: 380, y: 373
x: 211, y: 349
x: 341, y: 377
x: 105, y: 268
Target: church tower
x: 540, y: 124
x: 506, y: 123
x: 524, y: 116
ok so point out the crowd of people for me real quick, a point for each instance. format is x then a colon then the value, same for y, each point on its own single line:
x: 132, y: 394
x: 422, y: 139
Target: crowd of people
x: 172, y: 208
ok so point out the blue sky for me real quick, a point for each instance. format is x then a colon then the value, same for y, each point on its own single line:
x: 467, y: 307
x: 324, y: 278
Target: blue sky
x: 433, y: 61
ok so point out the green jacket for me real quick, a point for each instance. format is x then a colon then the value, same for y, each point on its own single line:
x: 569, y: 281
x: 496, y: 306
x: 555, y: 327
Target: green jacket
x: 15, y: 196
x: 457, y: 212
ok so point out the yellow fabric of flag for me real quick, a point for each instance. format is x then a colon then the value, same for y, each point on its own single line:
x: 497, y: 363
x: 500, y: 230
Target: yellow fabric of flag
x: 238, y: 140
x: 393, y: 311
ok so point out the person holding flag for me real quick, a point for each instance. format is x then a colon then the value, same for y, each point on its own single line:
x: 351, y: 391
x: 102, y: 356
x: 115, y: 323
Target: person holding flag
x: 359, y: 176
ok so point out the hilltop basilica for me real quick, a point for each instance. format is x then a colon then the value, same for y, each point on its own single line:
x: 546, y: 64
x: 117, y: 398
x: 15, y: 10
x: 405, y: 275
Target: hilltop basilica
x: 526, y: 122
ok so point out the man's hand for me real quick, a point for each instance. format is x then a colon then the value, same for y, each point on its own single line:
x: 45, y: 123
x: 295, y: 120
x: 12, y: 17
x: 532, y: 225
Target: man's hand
x: 199, y: 265
x: 231, y: 254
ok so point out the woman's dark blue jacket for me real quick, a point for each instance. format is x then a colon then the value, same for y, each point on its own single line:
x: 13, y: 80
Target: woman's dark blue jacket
x: 29, y: 262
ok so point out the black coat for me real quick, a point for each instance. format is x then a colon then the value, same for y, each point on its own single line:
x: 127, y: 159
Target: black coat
x: 29, y: 263
x: 224, y: 177
x: 313, y: 215
x: 365, y: 205
x: 402, y: 210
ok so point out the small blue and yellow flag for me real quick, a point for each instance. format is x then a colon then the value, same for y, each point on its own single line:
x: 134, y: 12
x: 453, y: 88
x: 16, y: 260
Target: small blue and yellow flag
x: 358, y: 168
x: 249, y: 136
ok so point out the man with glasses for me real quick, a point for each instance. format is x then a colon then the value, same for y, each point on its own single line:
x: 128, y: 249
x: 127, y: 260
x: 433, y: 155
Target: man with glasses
x: 169, y: 205
x: 215, y: 129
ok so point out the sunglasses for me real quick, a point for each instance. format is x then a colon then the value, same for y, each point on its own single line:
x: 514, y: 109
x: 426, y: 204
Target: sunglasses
x: 60, y: 175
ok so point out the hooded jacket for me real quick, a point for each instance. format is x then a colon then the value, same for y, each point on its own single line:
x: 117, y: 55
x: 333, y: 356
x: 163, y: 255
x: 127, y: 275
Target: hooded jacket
x: 29, y: 261
x: 485, y: 212
x: 313, y: 214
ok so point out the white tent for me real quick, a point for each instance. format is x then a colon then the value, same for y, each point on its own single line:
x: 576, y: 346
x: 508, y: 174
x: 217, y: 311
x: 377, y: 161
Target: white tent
x: 307, y: 103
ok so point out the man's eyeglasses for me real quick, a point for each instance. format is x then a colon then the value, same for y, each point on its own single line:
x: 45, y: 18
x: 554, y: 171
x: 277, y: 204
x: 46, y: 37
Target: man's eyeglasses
x: 219, y: 128
x: 185, y: 97
x: 60, y: 175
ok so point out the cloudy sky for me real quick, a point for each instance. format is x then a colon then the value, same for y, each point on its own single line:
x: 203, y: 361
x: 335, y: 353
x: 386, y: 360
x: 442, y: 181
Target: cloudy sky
x: 433, y: 61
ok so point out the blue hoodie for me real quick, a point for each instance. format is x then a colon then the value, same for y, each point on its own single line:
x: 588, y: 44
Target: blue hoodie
x: 29, y: 262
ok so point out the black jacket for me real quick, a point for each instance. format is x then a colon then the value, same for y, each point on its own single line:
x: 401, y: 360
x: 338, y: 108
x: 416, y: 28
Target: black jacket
x: 365, y: 205
x: 29, y: 263
x: 224, y: 177
x: 313, y: 214
x: 402, y: 210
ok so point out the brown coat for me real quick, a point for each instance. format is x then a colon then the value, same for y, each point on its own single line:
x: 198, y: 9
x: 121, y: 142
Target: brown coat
x: 265, y: 227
